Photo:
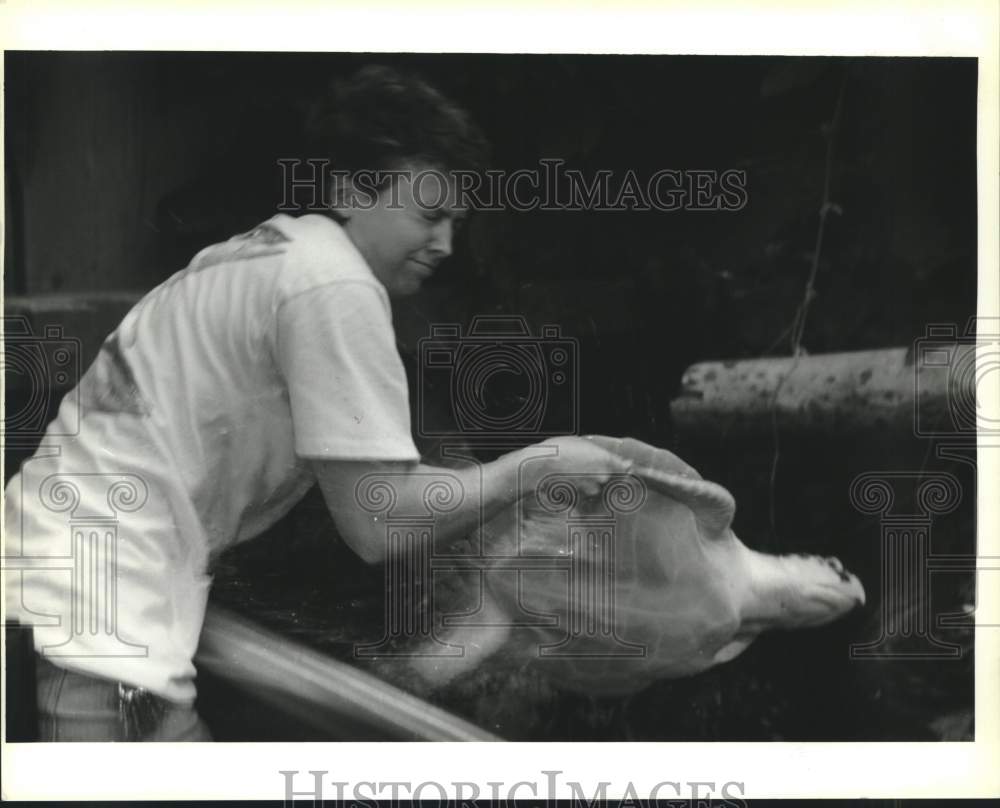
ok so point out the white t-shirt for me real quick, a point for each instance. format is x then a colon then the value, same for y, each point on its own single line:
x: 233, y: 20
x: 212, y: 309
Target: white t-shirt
x: 195, y: 422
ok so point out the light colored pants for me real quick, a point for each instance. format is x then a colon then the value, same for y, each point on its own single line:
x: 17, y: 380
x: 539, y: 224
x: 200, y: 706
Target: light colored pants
x: 76, y: 707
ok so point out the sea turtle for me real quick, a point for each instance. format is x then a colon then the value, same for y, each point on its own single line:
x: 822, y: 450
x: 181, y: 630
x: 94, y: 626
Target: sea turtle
x: 669, y: 593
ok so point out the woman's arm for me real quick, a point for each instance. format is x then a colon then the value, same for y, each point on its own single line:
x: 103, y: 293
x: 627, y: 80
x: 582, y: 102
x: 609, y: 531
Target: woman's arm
x: 361, y: 494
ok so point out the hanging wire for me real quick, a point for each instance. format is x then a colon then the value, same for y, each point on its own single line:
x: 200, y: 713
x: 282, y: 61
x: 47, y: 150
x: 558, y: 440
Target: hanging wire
x: 798, y: 325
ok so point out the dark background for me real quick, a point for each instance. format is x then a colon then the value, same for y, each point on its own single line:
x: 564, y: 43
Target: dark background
x: 120, y: 166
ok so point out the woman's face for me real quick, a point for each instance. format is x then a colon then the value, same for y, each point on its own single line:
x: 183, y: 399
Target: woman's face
x: 405, y: 229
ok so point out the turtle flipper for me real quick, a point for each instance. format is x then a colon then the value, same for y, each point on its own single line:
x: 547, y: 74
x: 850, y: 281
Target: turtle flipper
x: 645, y: 455
x: 713, y: 506
x: 663, y: 471
x: 798, y: 591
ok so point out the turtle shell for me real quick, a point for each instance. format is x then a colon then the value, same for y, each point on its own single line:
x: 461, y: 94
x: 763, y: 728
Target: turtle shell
x: 645, y: 582
x: 607, y: 594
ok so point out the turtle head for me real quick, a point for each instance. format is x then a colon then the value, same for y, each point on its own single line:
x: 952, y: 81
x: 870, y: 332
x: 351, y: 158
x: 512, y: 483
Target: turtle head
x: 799, y: 591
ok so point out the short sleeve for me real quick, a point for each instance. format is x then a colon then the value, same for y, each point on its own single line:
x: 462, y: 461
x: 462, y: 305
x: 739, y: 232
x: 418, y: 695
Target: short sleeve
x: 346, y: 384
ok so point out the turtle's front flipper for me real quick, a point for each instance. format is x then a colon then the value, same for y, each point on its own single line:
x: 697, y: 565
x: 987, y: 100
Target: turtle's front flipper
x: 711, y: 504
x: 665, y: 473
x: 798, y: 591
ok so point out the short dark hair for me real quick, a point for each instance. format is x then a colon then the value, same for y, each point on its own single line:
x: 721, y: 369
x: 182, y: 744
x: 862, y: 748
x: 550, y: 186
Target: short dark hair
x: 379, y: 118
